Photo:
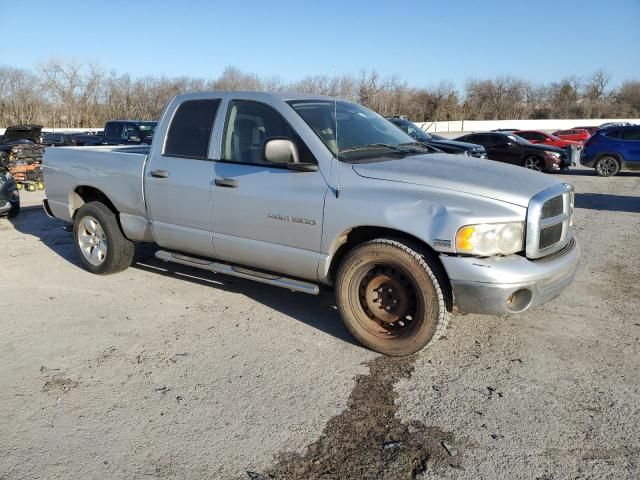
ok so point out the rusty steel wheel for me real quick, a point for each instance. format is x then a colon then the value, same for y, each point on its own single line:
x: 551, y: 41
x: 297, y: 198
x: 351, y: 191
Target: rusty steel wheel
x: 388, y: 298
x: 392, y: 297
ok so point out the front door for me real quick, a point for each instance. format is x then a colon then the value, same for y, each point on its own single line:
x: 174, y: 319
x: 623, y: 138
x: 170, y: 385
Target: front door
x: 178, y: 181
x: 504, y: 150
x: 264, y: 215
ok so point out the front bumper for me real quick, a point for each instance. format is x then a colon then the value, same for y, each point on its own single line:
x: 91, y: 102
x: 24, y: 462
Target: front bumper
x: 510, y: 284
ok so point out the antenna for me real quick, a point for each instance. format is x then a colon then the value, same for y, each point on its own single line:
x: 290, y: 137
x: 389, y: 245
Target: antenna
x: 335, y: 116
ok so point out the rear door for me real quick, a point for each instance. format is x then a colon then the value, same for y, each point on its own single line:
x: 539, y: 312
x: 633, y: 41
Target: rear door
x: 630, y: 147
x: 178, y: 180
x: 265, y: 215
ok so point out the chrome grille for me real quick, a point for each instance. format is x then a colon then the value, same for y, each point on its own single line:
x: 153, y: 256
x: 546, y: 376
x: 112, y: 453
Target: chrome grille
x: 549, y: 221
x: 552, y: 208
x: 550, y: 235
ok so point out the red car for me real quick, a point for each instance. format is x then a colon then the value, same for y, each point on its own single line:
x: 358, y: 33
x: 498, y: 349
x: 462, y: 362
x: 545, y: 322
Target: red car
x: 591, y: 130
x: 535, y: 136
x: 575, y: 134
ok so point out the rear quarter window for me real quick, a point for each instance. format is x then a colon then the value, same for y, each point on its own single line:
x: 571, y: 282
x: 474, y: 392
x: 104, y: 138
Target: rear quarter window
x: 613, y: 134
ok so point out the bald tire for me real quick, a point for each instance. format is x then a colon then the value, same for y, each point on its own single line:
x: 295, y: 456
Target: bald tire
x: 420, y: 268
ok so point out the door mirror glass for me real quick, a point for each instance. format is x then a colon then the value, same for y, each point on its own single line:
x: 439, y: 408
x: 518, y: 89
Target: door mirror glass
x: 281, y: 151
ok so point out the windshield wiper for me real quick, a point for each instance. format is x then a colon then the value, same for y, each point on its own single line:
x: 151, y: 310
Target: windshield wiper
x: 397, y: 148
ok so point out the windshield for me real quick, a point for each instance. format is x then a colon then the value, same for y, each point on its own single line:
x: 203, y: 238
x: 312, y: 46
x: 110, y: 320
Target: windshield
x: 413, y: 130
x: 361, y: 132
x: 517, y: 139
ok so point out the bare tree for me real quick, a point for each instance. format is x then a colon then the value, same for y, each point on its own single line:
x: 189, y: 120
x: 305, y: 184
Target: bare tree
x: 75, y: 94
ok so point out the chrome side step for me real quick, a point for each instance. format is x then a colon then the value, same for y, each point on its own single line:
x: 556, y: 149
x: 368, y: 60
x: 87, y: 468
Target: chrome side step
x: 235, y: 271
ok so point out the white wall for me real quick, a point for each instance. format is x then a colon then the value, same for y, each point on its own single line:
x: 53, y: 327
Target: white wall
x: 63, y: 130
x: 484, y: 125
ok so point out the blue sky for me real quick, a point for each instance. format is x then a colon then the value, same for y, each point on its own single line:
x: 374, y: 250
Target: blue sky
x: 421, y: 41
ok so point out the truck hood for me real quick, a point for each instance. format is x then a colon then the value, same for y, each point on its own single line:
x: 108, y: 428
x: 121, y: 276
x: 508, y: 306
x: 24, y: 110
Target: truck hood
x: 456, y: 144
x: 485, y: 178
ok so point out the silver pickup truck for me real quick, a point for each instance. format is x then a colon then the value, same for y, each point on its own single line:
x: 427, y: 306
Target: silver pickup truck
x: 301, y: 191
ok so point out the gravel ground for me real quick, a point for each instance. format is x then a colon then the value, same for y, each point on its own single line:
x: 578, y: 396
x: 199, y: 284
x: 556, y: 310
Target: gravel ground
x: 169, y: 372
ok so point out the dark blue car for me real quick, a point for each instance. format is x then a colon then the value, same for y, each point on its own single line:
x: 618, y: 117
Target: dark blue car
x: 611, y: 149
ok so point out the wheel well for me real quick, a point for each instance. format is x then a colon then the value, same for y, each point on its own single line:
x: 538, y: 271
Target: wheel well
x: 85, y: 194
x: 617, y: 156
x: 363, y: 234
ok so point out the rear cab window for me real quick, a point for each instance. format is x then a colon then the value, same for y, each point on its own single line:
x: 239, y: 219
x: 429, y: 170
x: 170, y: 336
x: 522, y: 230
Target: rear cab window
x: 189, y: 133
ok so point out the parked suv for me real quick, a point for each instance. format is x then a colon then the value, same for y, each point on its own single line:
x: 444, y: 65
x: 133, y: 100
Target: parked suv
x: 510, y: 148
x: 610, y: 150
x: 441, y: 143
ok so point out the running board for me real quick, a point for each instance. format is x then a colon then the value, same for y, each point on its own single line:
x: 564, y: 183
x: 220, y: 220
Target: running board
x: 235, y: 271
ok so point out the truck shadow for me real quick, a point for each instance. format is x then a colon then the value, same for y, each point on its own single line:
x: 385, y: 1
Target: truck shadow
x: 318, y: 311
x: 607, y: 202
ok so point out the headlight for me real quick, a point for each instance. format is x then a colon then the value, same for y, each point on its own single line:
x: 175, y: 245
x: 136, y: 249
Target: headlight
x: 488, y: 239
x: 554, y: 154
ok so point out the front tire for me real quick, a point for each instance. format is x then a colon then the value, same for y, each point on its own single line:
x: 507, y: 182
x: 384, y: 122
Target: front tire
x: 392, y: 298
x: 99, y: 242
x: 533, y: 162
x: 607, y: 166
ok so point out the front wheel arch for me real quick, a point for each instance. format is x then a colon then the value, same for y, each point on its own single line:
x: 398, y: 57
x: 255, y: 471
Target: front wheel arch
x: 362, y: 234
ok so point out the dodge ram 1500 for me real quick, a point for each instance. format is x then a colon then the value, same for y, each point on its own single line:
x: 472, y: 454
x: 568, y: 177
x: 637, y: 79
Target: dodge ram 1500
x: 300, y: 191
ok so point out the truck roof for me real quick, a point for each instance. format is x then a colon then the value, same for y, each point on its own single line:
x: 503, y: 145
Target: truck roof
x: 133, y: 121
x: 264, y: 96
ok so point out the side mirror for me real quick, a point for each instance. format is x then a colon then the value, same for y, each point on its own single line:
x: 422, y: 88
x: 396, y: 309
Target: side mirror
x: 282, y: 151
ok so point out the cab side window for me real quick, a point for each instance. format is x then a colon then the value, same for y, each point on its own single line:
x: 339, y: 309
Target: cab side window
x: 190, y: 130
x: 248, y: 126
x: 630, y: 134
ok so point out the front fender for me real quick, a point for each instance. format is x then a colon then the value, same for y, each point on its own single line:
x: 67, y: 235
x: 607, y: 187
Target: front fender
x: 430, y: 214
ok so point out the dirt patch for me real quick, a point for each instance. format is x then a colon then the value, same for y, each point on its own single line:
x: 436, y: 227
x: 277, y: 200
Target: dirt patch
x: 368, y: 440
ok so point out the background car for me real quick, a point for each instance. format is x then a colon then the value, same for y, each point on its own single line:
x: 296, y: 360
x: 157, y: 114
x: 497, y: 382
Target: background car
x: 575, y: 135
x: 441, y: 143
x: 538, y: 137
x: 509, y: 148
x: 57, y: 139
x: 613, y: 149
x: 590, y: 129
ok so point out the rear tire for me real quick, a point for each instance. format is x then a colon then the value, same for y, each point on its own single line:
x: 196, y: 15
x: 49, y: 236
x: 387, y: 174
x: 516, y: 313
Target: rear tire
x: 99, y: 242
x: 393, y: 298
x: 607, y: 166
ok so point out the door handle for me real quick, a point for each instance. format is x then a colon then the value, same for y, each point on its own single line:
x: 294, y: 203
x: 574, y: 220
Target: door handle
x: 159, y: 173
x: 226, y: 182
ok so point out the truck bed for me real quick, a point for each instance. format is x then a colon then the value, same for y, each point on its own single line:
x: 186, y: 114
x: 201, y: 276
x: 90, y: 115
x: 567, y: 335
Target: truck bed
x: 116, y: 171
